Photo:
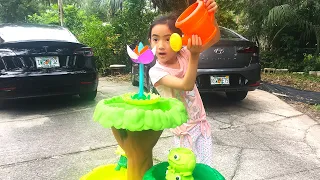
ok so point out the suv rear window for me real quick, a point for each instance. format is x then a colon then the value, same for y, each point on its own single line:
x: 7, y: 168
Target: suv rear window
x: 1, y: 65
x: 226, y: 34
x: 27, y: 33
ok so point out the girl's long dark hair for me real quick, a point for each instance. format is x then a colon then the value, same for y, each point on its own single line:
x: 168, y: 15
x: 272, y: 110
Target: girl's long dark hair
x: 169, y: 20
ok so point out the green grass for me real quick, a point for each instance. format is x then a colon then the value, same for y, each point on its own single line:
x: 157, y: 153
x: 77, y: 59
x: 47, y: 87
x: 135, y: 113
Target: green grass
x: 317, y: 107
x: 304, y: 77
x: 298, y: 81
x: 297, y: 77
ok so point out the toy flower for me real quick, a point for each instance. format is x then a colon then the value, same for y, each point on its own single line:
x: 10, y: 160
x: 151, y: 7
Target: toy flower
x: 142, y: 55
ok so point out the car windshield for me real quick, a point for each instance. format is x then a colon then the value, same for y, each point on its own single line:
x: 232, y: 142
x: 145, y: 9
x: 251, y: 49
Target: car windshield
x: 29, y: 33
x: 226, y: 34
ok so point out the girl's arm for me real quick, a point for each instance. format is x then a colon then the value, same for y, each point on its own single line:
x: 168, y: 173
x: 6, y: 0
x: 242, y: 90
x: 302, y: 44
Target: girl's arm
x: 188, y: 81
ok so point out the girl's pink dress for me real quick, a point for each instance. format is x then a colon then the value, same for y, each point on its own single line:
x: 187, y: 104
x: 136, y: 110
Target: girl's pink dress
x: 196, y: 133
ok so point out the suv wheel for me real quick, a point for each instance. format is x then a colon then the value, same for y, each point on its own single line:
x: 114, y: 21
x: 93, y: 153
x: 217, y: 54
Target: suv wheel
x: 133, y: 77
x: 88, y: 96
x: 236, y: 96
x: 154, y: 90
x: 133, y: 81
x: 1, y: 104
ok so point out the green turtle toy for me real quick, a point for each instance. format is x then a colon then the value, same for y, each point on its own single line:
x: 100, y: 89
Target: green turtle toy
x: 172, y: 175
x: 182, y: 162
x: 123, y: 161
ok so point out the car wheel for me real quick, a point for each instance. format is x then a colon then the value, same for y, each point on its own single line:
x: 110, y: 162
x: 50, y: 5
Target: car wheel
x: 88, y: 96
x: 154, y: 90
x: 236, y: 96
x: 1, y: 104
x: 133, y: 80
x: 148, y: 85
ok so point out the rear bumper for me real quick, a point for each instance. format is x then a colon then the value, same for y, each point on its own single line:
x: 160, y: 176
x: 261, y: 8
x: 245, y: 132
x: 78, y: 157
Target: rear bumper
x: 50, y: 84
x: 241, y: 79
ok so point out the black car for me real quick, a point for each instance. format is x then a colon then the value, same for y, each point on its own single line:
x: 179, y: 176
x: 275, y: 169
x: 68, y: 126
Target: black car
x: 44, y: 60
x: 231, y: 65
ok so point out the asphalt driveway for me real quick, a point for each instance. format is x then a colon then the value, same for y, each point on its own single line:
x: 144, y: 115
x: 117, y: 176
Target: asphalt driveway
x: 261, y: 137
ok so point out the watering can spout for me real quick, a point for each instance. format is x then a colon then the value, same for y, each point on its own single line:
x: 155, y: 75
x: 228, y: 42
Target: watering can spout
x: 176, y: 41
x: 185, y: 40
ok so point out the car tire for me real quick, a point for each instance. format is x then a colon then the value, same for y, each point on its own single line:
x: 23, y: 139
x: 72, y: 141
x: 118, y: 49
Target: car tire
x: 237, y: 96
x: 154, y: 90
x: 1, y: 104
x: 148, y: 85
x: 133, y: 81
x: 88, y: 96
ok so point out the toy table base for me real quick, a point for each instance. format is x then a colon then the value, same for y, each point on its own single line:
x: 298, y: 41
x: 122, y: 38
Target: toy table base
x: 138, y: 146
x: 201, y: 172
x: 157, y: 172
x: 106, y: 172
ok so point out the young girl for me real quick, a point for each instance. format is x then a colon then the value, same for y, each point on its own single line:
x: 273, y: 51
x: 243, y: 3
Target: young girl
x: 174, y: 75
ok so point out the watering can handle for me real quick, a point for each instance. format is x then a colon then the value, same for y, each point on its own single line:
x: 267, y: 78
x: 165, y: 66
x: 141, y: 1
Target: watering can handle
x: 211, y: 14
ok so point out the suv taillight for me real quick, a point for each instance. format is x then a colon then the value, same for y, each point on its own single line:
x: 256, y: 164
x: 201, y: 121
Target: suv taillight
x: 85, y: 51
x: 252, y: 49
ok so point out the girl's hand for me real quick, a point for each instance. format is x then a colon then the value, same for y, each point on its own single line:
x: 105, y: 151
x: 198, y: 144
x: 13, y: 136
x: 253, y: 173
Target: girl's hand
x: 194, y: 45
x: 211, y: 5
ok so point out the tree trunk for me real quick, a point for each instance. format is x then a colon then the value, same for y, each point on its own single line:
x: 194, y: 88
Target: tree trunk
x: 138, y: 147
x: 317, y: 33
x: 138, y: 163
x: 60, y: 4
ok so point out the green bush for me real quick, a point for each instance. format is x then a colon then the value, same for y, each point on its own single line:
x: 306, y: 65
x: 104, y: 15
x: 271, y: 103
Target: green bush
x: 88, y: 29
x: 311, y: 63
x: 267, y: 58
x: 292, y: 60
x: 102, y: 38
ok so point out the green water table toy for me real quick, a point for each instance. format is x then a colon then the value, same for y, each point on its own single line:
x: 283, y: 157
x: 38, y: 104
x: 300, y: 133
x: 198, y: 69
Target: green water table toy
x: 137, y: 121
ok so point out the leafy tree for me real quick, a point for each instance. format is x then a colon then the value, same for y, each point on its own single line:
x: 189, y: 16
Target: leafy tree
x: 172, y: 6
x: 96, y: 8
x: 12, y: 11
x: 73, y: 17
x: 162, y: 5
x: 226, y: 15
x: 132, y: 25
x: 284, y: 29
x: 302, y: 16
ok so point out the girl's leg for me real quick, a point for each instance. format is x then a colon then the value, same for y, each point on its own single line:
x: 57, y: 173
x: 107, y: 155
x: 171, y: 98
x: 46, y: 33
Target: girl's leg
x: 204, y: 149
x: 194, y: 134
x: 176, y: 140
x: 184, y: 143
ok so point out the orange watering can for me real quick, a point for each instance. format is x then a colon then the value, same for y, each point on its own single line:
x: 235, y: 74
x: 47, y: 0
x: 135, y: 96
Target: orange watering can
x: 194, y: 20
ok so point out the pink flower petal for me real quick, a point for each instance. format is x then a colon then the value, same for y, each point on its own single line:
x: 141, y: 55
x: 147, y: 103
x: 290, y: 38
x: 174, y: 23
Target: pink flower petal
x: 134, y: 60
x: 146, y: 57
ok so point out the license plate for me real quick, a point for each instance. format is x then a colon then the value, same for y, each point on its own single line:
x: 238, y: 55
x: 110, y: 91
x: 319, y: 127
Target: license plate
x: 219, y: 80
x: 47, y: 62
